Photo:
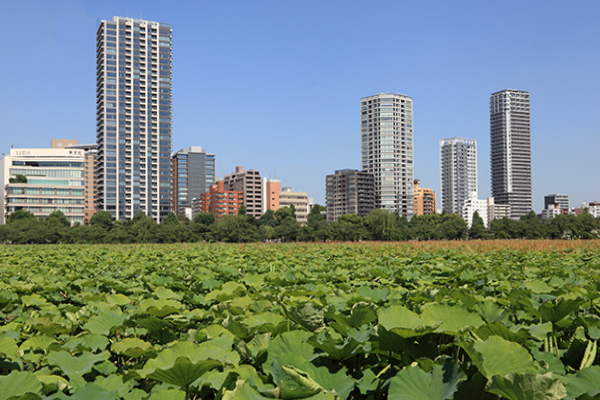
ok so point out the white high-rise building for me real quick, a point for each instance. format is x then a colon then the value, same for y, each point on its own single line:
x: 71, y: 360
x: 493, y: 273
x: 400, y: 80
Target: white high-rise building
x: 387, y: 150
x: 511, y: 150
x: 133, y: 117
x: 458, y: 173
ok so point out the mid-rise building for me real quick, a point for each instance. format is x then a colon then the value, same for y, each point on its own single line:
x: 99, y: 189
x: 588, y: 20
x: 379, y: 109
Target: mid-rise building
x: 250, y: 184
x: 497, y: 211
x: 217, y: 201
x: 458, y: 173
x: 271, y: 189
x: 562, y: 200
x: 387, y: 150
x: 89, y: 187
x: 510, y: 139
x: 43, y: 181
x: 192, y: 173
x: 425, y: 200
x: 349, y: 191
x: 288, y: 197
x: 133, y: 118
x: 552, y: 210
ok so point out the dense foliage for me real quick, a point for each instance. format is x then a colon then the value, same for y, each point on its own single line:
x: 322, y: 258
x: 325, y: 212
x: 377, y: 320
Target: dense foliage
x: 22, y: 227
x: 300, y: 321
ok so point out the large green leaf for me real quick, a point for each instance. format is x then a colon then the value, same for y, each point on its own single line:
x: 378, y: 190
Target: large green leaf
x: 103, y: 323
x: 497, y: 356
x: 131, y: 347
x: 455, y: 318
x: 184, y: 362
x: 405, y: 323
x: 412, y: 383
x: 76, y: 366
x: 18, y: 384
x: 527, y: 387
x: 307, y: 315
x: 585, y: 381
x: 556, y: 310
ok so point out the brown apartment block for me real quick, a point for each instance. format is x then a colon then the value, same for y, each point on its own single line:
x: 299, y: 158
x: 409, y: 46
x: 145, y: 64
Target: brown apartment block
x: 250, y: 184
x: 425, y: 200
x: 217, y: 201
x: 89, y: 163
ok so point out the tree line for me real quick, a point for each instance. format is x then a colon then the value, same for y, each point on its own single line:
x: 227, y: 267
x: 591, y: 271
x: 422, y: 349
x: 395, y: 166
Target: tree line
x: 22, y: 227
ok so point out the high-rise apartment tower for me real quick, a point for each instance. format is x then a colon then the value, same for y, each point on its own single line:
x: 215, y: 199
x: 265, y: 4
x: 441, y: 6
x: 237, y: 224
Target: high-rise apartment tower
x: 510, y: 138
x: 133, y: 117
x: 458, y: 173
x: 387, y: 150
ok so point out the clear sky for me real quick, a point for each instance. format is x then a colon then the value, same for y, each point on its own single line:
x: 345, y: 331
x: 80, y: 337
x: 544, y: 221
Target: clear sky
x: 276, y: 85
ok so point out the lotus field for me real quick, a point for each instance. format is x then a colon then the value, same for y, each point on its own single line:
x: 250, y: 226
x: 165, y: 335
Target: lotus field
x: 301, y: 321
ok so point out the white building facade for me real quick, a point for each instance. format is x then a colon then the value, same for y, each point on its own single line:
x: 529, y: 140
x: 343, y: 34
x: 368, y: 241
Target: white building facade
x: 470, y: 206
x: 54, y: 182
x: 458, y: 173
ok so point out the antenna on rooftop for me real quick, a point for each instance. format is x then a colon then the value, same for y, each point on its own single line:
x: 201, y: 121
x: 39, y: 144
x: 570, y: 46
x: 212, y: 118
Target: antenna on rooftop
x: 11, y: 145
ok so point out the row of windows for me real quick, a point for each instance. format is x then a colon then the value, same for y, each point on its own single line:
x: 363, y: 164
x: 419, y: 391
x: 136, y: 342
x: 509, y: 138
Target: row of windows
x: 29, y: 200
x: 50, y: 173
x: 45, y: 191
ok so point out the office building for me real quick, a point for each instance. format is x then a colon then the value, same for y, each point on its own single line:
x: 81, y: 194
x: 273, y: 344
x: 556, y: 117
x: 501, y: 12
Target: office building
x: 349, y: 191
x: 387, y: 150
x: 510, y: 139
x: 192, y: 173
x: 425, y: 200
x: 288, y: 197
x: 562, y: 200
x: 271, y: 189
x: 133, y: 118
x: 250, y: 184
x: 458, y: 173
x: 218, y: 200
x: 51, y: 180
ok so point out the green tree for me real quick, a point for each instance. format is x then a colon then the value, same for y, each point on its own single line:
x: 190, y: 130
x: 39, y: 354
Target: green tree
x: 349, y: 227
x: 315, y: 216
x: 170, y: 219
x: 452, y: 227
x: 234, y: 228
x: 267, y: 219
x: 242, y: 210
x: 477, y: 229
x: 381, y: 224
x: 504, y: 228
x: 102, y: 219
x: 19, y: 215
x: 530, y: 226
x: 205, y: 218
x: 57, y: 218
x: 284, y: 213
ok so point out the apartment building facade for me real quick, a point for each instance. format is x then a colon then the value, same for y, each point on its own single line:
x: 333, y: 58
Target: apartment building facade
x: 133, y: 118
x: 458, y: 173
x: 349, y: 191
x: 425, y: 200
x: 192, y: 173
x: 250, y: 184
x: 387, y: 150
x: 510, y: 139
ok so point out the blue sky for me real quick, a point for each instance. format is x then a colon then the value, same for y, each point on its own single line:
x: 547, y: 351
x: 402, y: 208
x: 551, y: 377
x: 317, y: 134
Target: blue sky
x: 276, y: 85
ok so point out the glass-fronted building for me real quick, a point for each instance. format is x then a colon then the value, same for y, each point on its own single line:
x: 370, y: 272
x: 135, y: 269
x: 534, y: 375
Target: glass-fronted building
x: 192, y: 174
x: 43, y: 181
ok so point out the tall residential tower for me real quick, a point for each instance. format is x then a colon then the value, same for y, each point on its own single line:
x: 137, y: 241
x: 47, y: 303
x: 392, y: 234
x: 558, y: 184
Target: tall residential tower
x: 458, y: 173
x: 387, y: 150
x: 133, y: 117
x: 510, y: 138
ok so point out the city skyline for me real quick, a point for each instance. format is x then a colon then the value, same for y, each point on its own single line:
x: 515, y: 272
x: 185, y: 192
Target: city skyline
x: 298, y: 102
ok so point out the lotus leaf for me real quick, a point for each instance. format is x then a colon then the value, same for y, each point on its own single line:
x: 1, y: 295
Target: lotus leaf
x: 515, y: 386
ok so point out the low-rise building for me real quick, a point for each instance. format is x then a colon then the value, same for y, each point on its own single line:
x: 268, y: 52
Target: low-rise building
x: 562, y: 200
x: 425, y: 200
x: 287, y: 198
x: 551, y: 211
